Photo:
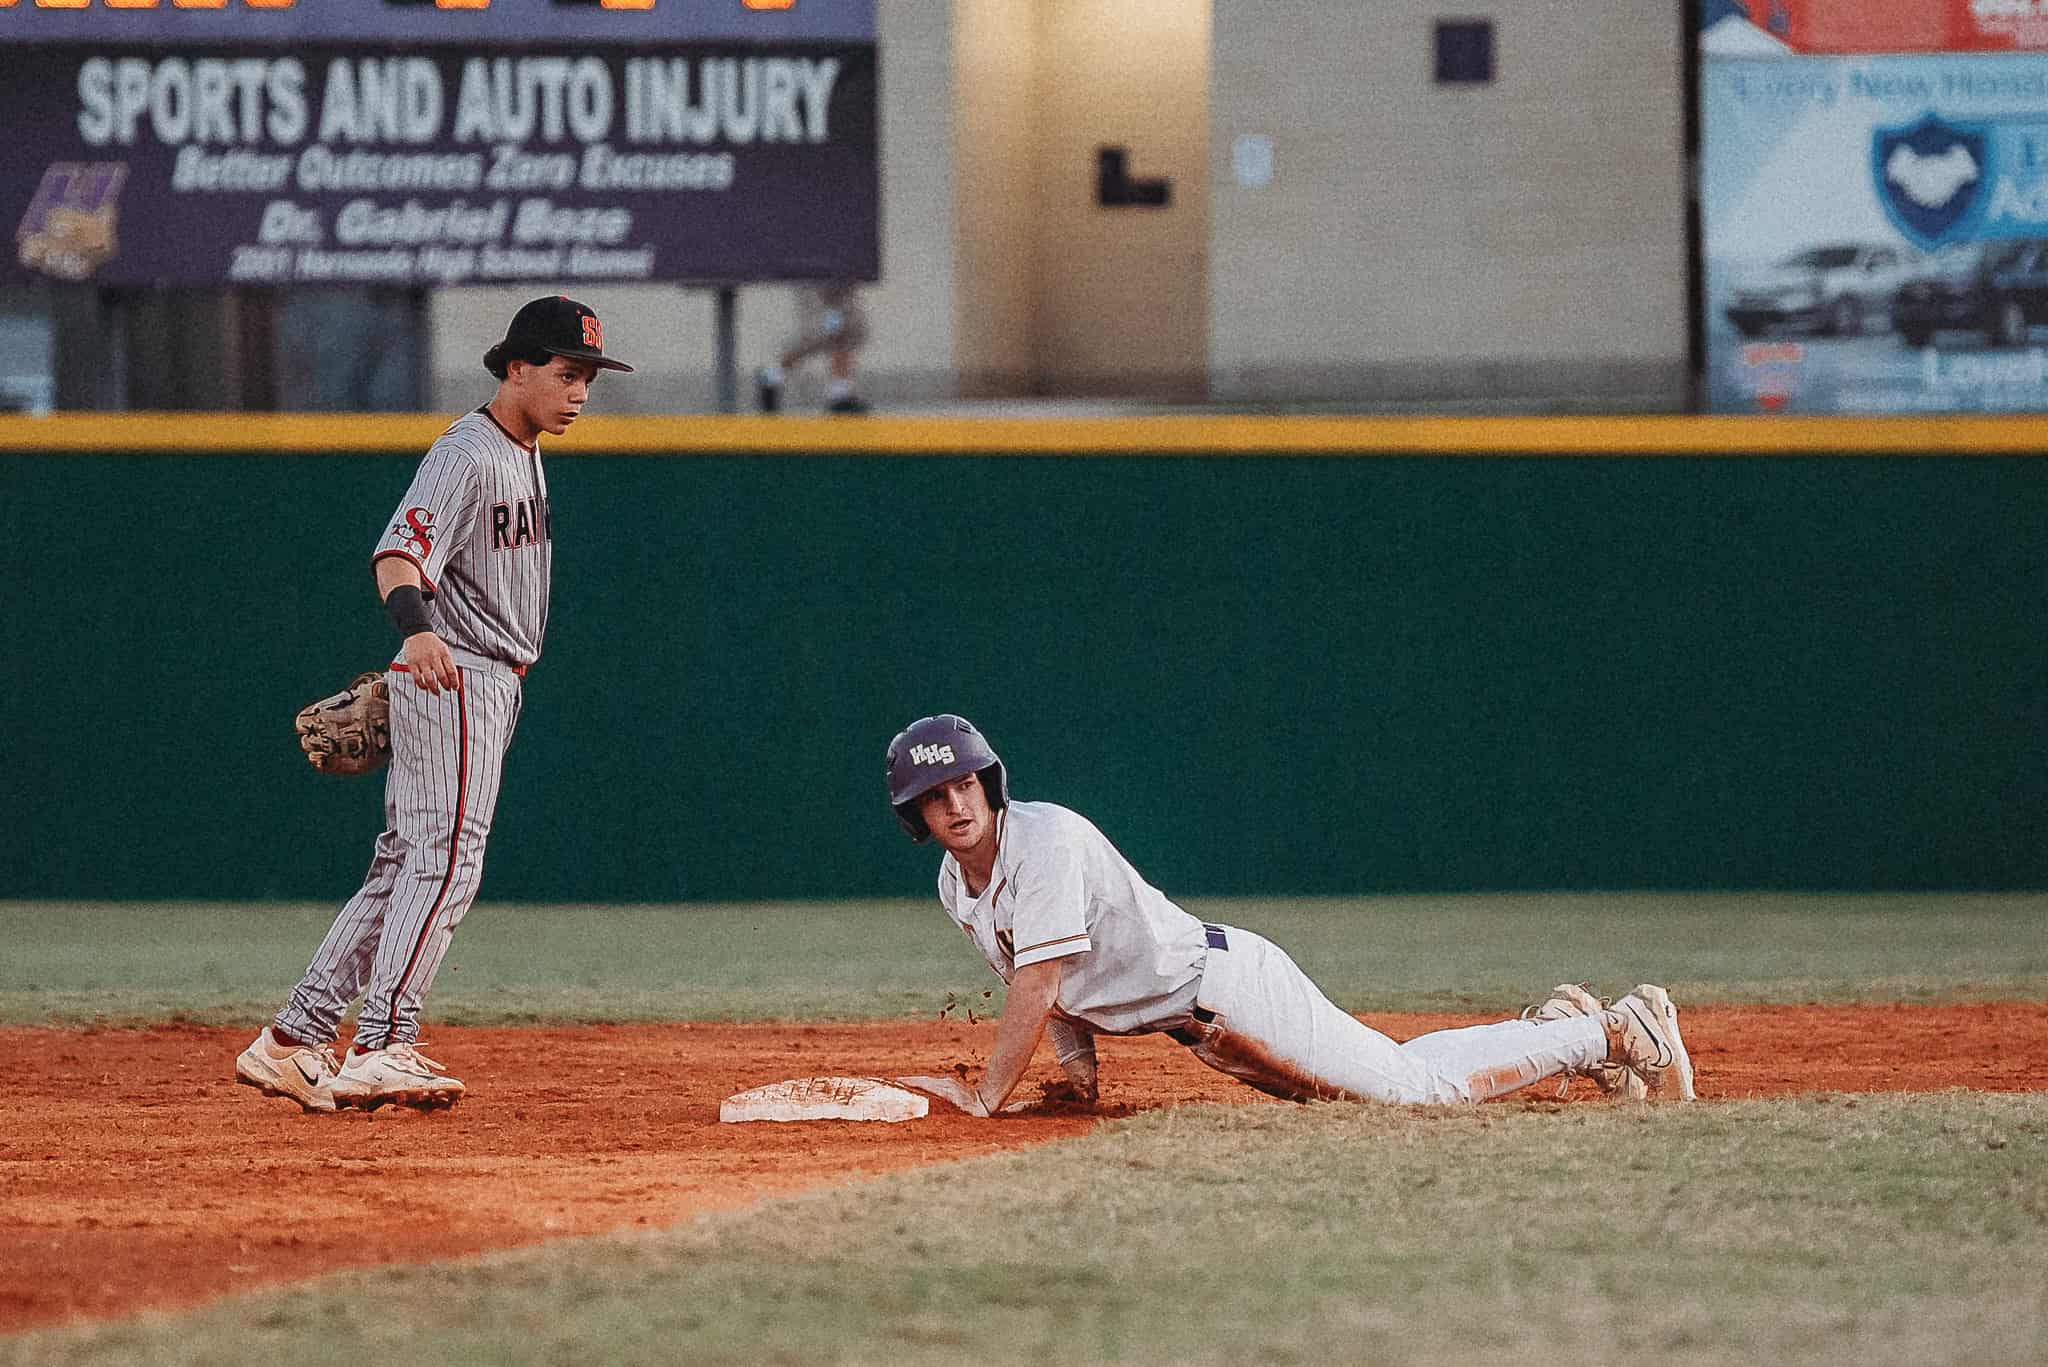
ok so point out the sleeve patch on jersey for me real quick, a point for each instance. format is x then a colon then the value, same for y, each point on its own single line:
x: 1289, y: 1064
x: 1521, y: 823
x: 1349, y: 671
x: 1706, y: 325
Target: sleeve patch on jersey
x: 416, y: 529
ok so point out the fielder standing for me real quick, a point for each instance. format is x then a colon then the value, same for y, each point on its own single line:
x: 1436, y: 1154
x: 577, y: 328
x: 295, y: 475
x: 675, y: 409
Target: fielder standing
x: 463, y: 570
x: 1088, y: 947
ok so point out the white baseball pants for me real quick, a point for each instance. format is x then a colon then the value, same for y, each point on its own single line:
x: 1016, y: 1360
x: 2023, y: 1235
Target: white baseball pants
x: 1273, y: 1028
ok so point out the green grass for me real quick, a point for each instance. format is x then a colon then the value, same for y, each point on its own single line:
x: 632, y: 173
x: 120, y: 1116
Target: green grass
x: 1830, y: 1230
x: 70, y: 962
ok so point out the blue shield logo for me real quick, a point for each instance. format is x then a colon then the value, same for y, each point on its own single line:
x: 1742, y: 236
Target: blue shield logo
x: 1928, y: 176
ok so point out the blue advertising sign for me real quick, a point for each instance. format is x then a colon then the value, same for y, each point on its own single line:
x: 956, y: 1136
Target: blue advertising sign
x: 1875, y: 233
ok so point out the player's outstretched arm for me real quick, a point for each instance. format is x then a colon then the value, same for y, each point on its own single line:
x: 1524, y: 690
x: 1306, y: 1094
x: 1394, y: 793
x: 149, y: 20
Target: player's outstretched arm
x: 1032, y: 992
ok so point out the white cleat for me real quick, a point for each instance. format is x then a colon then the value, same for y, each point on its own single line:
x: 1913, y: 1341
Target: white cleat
x: 1572, y: 999
x: 397, y: 1073
x: 305, y: 1073
x: 1642, y: 1033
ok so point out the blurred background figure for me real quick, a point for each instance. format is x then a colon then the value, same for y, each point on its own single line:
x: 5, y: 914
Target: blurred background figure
x: 829, y: 320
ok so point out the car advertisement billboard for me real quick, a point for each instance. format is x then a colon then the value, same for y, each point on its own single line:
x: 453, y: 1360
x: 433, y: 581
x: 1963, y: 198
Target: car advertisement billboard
x: 1875, y: 233
x: 1762, y: 27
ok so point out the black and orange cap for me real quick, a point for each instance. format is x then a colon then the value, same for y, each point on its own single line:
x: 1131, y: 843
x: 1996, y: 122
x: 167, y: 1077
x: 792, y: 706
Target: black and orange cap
x: 554, y: 325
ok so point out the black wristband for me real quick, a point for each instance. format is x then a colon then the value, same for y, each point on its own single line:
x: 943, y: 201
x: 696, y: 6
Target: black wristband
x: 408, y: 609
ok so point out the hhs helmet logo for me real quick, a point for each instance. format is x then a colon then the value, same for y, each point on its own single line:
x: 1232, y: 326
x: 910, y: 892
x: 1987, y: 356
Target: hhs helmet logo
x: 1928, y: 176
x: 931, y: 754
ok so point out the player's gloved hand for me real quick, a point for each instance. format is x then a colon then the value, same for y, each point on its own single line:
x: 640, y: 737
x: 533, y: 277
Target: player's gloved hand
x: 350, y: 732
x: 1080, y: 1086
x: 427, y: 659
x: 1068, y: 1093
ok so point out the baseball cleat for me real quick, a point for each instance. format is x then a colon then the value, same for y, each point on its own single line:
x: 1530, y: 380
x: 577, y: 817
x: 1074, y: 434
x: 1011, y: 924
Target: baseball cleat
x: 397, y: 1073
x: 1572, y: 999
x: 1642, y: 1034
x: 305, y: 1073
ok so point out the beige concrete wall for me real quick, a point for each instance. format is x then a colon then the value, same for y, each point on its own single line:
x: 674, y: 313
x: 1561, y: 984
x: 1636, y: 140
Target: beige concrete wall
x: 1420, y: 239
x: 1121, y: 292
x: 994, y: 66
x: 1416, y: 241
x: 667, y: 332
x: 912, y: 311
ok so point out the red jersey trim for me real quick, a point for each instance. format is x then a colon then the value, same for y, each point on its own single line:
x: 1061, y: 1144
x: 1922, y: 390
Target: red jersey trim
x: 426, y: 584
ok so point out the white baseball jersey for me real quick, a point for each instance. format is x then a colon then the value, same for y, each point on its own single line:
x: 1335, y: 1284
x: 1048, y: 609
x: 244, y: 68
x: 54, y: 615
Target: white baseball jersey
x: 1133, y: 963
x: 476, y: 524
x: 1060, y: 890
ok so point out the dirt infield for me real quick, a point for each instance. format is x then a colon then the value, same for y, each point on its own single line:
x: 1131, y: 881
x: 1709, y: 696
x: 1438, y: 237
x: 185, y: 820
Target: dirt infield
x: 134, y: 1173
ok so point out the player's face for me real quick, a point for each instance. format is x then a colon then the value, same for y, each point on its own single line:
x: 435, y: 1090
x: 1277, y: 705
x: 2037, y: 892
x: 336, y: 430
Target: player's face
x: 958, y: 814
x: 553, y: 395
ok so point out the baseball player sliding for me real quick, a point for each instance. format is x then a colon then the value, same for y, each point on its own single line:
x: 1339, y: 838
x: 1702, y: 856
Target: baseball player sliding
x: 1088, y: 947
x: 463, y: 570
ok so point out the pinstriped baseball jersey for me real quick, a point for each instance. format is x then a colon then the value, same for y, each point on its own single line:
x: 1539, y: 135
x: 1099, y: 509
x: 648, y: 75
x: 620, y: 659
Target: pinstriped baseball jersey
x: 476, y: 524
x: 1060, y: 890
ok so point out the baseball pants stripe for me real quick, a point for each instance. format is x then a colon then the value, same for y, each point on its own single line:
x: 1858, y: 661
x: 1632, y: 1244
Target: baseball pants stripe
x: 454, y: 837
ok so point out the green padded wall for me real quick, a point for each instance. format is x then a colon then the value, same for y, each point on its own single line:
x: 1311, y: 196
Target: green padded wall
x: 1281, y: 675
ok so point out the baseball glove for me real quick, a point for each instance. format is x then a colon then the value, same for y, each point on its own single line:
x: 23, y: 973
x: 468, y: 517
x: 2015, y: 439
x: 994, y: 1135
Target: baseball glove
x: 349, y: 733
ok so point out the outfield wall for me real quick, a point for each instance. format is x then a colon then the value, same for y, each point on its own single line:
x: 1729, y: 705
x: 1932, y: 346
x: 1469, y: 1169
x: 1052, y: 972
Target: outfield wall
x: 1287, y: 656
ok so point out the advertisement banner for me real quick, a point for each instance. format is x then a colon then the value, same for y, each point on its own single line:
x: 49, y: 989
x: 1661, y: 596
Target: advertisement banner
x: 366, y: 164
x: 1993, y: 25
x: 1875, y: 233
x: 415, y: 23
x: 1761, y: 27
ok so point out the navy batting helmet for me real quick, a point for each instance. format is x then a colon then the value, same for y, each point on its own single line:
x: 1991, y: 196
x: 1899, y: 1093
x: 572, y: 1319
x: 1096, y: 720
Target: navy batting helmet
x: 935, y: 750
